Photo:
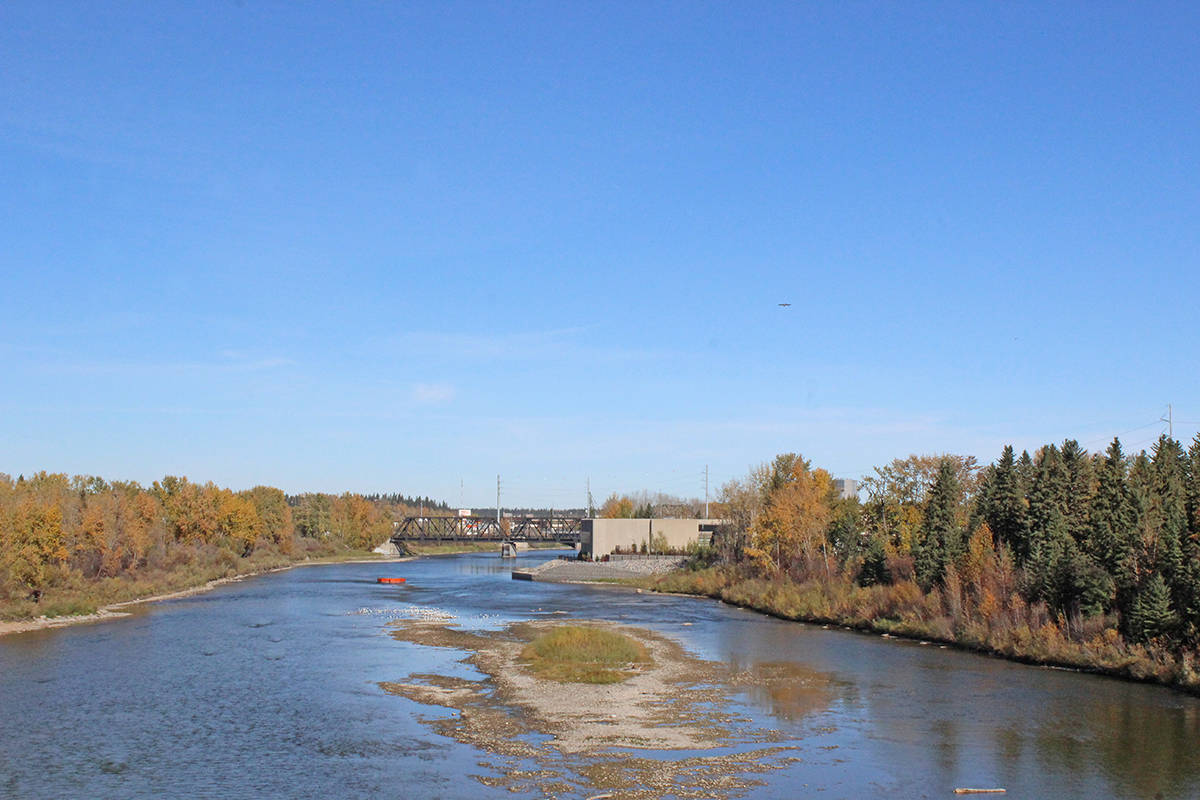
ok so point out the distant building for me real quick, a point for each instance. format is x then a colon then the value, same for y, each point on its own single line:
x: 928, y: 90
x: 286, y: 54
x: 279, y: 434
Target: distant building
x: 601, y: 537
x: 846, y: 487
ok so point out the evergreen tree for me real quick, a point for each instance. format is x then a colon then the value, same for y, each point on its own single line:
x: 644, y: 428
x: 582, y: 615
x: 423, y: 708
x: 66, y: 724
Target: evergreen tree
x: 1142, y: 554
x: 942, y: 537
x: 1151, y: 615
x: 1176, y: 482
x: 1006, y: 512
x: 1171, y: 492
x: 1111, y: 540
x: 1048, y: 531
x: 1080, y: 489
x: 1079, y: 585
x: 1193, y: 489
x: 874, y: 568
x: 1026, y: 470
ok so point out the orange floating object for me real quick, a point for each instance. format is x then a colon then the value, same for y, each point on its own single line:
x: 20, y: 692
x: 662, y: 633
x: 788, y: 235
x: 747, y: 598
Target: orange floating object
x: 390, y: 580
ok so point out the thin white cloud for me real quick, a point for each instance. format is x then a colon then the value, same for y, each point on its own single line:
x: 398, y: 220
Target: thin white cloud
x: 556, y: 344
x: 166, y: 367
x: 432, y: 394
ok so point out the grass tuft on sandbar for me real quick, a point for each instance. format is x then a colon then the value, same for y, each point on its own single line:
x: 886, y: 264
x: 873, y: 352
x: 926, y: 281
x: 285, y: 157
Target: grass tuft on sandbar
x: 581, y: 654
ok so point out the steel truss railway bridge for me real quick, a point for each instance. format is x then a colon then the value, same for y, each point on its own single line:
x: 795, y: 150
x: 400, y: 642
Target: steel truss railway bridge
x: 488, y: 529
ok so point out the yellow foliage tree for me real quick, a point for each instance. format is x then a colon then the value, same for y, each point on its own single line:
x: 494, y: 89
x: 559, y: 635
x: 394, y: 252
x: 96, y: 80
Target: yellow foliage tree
x: 276, y: 516
x: 358, y: 523
x: 617, y: 507
x: 791, y: 532
x: 34, y: 543
x: 237, y: 522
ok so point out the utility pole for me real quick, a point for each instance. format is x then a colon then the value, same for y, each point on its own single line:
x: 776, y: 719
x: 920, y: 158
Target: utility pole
x: 1170, y: 420
x: 497, y: 499
x: 706, y: 491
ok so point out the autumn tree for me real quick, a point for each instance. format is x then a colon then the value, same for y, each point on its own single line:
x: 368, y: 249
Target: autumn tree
x: 357, y: 523
x: 617, y: 507
x: 791, y: 532
x: 33, y: 544
x: 897, y: 495
x: 274, y: 514
x: 741, y: 503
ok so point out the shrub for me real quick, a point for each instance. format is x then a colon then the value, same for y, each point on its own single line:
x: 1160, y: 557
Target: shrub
x: 580, y: 654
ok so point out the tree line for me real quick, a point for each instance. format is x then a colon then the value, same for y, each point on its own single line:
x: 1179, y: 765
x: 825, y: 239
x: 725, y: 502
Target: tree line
x: 1060, y: 552
x: 56, y: 529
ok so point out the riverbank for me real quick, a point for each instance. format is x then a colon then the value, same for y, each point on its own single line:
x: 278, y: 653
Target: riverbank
x: 904, y: 612
x: 114, y: 610
x: 76, y: 607
x: 623, y: 571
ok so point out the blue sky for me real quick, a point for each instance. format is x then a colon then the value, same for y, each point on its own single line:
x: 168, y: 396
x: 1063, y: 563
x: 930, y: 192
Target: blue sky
x: 407, y: 247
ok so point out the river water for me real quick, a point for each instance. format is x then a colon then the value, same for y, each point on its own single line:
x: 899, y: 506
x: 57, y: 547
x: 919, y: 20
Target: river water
x: 269, y: 687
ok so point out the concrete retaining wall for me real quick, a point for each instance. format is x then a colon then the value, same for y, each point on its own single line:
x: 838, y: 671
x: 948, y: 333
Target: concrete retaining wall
x: 601, y: 536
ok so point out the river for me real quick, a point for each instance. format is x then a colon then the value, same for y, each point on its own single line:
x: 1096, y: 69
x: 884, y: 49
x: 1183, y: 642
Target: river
x: 271, y: 687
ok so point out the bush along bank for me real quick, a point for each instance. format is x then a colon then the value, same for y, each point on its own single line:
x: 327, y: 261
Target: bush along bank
x: 1090, y: 562
x: 1019, y: 632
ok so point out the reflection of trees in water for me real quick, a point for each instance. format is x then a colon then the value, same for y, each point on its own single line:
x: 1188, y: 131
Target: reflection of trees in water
x: 786, y: 690
x: 1121, y: 738
x: 1149, y: 748
x: 934, y: 713
x: 946, y: 746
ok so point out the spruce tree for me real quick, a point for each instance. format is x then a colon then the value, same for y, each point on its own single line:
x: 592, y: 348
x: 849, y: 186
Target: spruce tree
x: 1006, y: 512
x: 1026, y: 470
x: 874, y: 568
x: 1168, y: 464
x: 1111, y: 538
x: 1080, y: 489
x: 1193, y: 489
x: 1151, y: 615
x: 1048, y: 532
x: 1147, y: 516
x: 941, y: 535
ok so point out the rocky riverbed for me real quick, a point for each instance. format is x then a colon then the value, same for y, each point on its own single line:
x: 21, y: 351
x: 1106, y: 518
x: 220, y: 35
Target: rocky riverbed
x: 565, y: 738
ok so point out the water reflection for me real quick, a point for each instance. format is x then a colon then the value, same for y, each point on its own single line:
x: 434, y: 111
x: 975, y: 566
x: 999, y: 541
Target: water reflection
x: 787, y: 690
x: 197, y: 697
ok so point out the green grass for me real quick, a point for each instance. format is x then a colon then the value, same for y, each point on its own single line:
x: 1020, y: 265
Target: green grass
x: 579, y: 654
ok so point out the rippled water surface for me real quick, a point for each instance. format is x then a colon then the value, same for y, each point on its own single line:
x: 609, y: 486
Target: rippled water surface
x: 270, y: 687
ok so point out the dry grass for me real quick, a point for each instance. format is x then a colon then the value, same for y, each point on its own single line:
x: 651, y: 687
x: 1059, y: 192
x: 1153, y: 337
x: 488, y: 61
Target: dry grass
x: 72, y: 594
x: 1005, y: 626
x: 580, y: 654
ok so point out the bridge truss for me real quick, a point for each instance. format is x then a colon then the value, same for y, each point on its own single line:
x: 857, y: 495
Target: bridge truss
x: 488, y: 529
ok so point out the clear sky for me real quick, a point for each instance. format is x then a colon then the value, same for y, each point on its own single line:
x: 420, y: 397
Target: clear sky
x: 386, y: 246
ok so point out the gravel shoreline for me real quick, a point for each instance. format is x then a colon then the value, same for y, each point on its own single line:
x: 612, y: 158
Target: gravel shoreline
x: 567, y: 571
x: 112, y: 610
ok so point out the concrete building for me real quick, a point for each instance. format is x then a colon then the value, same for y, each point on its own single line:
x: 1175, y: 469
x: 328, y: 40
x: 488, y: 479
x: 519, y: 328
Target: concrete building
x: 846, y: 487
x: 600, y: 537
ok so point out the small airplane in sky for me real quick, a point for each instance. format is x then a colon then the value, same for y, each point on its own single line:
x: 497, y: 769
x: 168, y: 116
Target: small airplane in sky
x: 784, y: 305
